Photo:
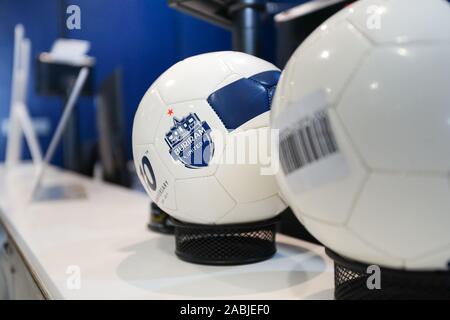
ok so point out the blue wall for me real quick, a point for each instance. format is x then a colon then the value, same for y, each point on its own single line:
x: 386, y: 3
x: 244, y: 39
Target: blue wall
x: 143, y: 37
x: 39, y: 18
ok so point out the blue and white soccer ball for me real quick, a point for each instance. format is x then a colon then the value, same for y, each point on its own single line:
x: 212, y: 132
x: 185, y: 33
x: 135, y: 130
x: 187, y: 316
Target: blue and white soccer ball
x: 182, y: 132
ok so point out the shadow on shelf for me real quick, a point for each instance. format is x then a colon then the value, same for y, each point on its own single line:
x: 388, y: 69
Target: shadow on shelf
x: 153, y: 266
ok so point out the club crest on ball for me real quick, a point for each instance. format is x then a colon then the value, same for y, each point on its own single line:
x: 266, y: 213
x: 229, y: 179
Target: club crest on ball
x: 190, y: 141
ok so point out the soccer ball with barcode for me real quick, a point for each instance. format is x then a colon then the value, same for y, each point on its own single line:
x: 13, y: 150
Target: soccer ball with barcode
x: 181, y: 134
x: 364, y: 112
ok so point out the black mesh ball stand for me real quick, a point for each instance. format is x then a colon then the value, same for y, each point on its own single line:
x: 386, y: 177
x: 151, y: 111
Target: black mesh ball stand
x: 229, y: 244
x: 351, y: 282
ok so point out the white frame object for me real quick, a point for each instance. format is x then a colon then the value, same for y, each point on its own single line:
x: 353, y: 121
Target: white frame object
x: 19, y: 119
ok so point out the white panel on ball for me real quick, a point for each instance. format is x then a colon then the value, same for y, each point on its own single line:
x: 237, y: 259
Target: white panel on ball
x: 281, y: 97
x: 228, y: 80
x: 403, y: 21
x: 240, y: 179
x: 206, y: 72
x: 342, y: 193
x: 204, y: 200
x: 147, y: 117
x: 155, y: 177
x: 254, y: 211
x: 407, y: 216
x: 328, y: 63
x: 393, y: 84
x: 246, y: 65
x: 327, y: 27
x: 347, y: 244
x: 257, y: 122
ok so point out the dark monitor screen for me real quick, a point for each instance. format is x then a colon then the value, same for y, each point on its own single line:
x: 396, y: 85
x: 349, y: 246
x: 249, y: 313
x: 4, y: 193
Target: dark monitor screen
x: 213, y: 11
x: 57, y: 79
x: 111, y: 127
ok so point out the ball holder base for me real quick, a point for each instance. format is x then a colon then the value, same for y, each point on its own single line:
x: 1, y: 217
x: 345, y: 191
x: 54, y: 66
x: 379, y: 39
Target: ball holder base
x: 160, y: 221
x: 230, y: 244
x: 351, y: 282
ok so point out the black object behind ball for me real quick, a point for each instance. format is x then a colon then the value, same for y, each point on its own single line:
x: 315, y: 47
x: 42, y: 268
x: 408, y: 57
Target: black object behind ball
x: 231, y: 244
x: 351, y: 282
x: 160, y: 220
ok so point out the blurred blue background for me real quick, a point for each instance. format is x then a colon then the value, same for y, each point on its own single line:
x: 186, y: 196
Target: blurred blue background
x: 143, y: 37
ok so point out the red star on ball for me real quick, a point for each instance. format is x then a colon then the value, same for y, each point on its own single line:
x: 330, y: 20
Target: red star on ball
x: 170, y: 111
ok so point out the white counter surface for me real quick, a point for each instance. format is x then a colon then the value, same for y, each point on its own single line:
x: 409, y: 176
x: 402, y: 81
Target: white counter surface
x: 104, y: 236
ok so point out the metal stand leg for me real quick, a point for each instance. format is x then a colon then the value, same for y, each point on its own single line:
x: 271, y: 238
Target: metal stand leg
x: 247, y: 19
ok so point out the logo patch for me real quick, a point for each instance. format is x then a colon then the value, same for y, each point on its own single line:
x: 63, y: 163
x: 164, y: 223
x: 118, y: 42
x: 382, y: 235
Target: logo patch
x: 190, y: 141
x: 146, y: 167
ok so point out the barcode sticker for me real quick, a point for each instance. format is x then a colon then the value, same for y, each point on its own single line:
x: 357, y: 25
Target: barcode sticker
x: 308, y: 150
x: 310, y: 140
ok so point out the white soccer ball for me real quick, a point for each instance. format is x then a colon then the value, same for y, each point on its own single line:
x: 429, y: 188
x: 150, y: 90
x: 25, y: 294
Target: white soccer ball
x: 363, y: 109
x: 182, y: 139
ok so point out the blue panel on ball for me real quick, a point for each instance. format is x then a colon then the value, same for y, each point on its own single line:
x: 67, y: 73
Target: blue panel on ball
x: 242, y: 100
x: 268, y: 78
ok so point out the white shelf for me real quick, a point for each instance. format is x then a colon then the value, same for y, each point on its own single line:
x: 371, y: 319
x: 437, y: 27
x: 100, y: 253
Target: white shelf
x: 105, y: 235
